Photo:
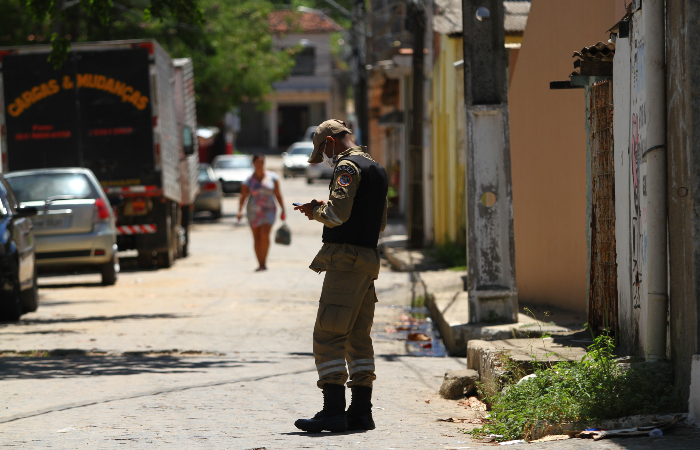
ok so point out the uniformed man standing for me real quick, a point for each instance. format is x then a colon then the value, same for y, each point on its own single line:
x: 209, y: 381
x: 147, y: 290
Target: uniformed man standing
x: 352, y: 219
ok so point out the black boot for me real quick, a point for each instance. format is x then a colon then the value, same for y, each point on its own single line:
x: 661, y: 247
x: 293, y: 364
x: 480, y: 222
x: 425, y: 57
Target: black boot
x: 332, y: 416
x: 360, y: 411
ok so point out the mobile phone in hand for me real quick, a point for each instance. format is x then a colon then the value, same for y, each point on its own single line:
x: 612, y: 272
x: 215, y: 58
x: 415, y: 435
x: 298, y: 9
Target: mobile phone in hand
x: 296, y: 204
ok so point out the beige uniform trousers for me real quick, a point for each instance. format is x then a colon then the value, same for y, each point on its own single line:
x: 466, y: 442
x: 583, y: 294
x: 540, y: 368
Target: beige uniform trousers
x: 342, y: 330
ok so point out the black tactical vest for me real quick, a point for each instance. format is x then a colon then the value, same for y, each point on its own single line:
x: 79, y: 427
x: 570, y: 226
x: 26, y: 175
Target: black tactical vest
x: 363, y: 226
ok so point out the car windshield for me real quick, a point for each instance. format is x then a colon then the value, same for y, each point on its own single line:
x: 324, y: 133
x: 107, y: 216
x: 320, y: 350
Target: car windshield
x: 204, y: 175
x: 305, y: 151
x: 234, y: 163
x: 44, y: 186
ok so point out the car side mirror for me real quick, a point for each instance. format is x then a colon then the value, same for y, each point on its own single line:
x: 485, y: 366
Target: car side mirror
x: 187, y: 141
x: 26, y: 211
x: 285, y: 154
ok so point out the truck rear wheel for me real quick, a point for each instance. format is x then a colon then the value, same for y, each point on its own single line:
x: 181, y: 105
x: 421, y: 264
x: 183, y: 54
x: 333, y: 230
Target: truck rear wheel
x: 186, y: 245
x: 145, y: 259
x: 166, y: 259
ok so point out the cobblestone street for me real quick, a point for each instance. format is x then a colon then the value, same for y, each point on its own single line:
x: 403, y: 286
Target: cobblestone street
x: 209, y: 354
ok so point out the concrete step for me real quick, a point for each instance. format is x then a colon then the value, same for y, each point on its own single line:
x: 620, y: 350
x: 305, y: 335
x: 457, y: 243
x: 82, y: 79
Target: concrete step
x: 494, y: 359
x: 450, y: 311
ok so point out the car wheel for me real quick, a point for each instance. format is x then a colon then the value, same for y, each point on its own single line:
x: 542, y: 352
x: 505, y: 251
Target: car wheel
x: 217, y: 214
x: 10, y: 305
x: 110, y: 272
x: 285, y: 174
x: 30, y: 297
x: 309, y: 181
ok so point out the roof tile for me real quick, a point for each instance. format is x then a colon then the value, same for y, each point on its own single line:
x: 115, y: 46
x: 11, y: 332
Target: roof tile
x: 287, y: 21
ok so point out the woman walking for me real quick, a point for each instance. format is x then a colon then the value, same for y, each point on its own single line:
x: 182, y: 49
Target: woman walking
x: 261, y: 186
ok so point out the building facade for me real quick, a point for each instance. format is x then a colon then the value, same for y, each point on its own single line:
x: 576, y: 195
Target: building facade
x: 315, y: 90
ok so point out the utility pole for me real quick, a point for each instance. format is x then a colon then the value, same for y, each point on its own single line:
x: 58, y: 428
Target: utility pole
x: 358, y: 36
x: 359, y: 33
x: 416, y: 226
x: 490, y: 239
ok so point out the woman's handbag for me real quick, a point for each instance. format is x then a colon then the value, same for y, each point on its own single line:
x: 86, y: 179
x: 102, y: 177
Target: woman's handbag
x: 283, y: 235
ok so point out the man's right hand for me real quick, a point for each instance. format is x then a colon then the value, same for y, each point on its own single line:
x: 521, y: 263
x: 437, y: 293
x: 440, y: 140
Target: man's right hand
x: 308, y: 208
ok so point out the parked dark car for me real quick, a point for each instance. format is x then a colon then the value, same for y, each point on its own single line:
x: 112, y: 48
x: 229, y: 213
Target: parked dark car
x: 18, y: 285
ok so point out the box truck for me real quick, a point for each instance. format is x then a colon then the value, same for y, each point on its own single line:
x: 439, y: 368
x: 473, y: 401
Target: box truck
x: 123, y: 109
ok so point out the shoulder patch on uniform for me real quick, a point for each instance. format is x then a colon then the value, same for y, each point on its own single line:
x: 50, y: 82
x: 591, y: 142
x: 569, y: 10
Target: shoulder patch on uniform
x: 346, y: 168
x: 344, y: 180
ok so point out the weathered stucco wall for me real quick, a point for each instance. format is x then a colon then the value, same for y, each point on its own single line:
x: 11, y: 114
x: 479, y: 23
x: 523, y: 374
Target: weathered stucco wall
x: 548, y: 151
x: 683, y: 77
x: 624, y: 186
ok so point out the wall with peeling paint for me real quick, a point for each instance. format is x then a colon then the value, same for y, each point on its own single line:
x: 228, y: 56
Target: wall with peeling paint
x: 548, y: 151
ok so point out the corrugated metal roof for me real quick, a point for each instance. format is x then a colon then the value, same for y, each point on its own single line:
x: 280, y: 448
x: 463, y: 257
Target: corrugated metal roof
x: 447, y: 17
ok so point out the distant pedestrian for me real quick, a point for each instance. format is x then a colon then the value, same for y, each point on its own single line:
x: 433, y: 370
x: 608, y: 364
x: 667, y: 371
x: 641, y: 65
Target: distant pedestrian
x: 352, y: 219
x: 260, y: 189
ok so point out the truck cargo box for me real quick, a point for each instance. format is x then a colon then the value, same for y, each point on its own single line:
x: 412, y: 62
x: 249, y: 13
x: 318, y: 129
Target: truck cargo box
x: 109, y: 108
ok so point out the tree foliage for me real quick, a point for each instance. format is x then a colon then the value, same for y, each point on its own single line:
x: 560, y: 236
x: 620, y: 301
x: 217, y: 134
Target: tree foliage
x: 228, y: 40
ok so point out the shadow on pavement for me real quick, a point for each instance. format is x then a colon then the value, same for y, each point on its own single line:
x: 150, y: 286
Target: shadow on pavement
x: 93, y: 319
x: 46, y: 304
x: 106, y: 365
x: 22, y: 332
x: 317, y: 435
x: 68, y: 285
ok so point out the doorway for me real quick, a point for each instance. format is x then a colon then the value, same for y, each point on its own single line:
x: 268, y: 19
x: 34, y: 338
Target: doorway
x: 292, y: 121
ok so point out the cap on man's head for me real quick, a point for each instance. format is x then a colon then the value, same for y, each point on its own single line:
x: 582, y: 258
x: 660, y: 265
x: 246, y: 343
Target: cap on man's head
x: 331, y: 128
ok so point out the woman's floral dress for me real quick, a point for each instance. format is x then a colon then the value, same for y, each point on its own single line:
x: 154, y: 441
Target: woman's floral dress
x: 261, y: 207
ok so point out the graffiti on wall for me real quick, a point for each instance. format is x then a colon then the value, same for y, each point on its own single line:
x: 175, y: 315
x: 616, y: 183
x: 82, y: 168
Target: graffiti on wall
x: 638, y: 145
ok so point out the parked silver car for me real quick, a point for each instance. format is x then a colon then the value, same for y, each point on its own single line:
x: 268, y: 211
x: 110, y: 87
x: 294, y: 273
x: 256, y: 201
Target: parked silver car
x: 74, y: 228
x: 309, y: 133
x: 210, y: 193
x: 295, y: 159
x: 318, y: 171
x: 232, y: 170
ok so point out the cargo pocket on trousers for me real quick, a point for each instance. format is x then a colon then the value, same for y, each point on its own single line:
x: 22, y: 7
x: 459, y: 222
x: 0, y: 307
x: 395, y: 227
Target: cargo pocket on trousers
x: 335, y: 310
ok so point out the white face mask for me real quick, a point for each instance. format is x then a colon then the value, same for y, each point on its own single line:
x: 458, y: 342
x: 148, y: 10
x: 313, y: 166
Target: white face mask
x: 330, y: 162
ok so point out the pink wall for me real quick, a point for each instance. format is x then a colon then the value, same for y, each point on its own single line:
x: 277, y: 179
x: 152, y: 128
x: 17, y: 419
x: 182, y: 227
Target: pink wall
x: 548, y: 151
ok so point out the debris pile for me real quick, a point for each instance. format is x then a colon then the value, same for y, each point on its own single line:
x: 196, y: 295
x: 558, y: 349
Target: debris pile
x: 417, y: 329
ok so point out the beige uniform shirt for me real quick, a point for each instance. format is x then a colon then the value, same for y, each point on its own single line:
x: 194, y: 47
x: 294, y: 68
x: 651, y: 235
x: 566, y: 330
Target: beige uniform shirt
x: 345, y: 257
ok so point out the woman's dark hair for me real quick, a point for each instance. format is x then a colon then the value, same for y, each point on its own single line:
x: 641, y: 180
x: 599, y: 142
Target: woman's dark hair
x: 258, y: 155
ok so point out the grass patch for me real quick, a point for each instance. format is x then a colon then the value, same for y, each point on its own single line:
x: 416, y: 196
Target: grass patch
x: 451, y: 254
x: 418, y: 302
x: 586, y: 391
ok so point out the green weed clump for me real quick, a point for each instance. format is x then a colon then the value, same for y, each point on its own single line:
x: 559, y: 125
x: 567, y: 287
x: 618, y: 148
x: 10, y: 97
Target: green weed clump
x: 451, y: 254
x: 586, y: 391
